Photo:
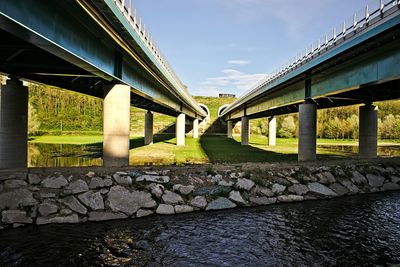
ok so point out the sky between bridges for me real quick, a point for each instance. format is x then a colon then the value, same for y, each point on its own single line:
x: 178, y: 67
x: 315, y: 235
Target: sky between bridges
x: 228, y: 45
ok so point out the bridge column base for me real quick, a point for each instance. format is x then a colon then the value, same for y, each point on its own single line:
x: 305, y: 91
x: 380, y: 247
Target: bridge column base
x: 196, y: 128
x: 245, y: 131
x: 116, y: 125
x: 307, y: 132
x: 272, y: 131
x: 13, y: 124
x: 148, y: 128
x: 180, y: 129
x: 229, y: 126
x: 368, y: 133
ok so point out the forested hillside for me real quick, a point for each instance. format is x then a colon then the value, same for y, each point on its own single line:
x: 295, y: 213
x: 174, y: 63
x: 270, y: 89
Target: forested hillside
x: 57, y: 111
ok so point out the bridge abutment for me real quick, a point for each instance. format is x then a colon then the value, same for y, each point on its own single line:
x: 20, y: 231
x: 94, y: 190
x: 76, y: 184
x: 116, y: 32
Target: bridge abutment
x: 116, y: 125
x: 180, y: 129
x: 245, y: 131
x: 272, y: 131
x: 13, y: 124
x: 368, y: 133
x: 196, y: 128
x: 229, y: 129
x: 148, y: 128
x: 307, y: 132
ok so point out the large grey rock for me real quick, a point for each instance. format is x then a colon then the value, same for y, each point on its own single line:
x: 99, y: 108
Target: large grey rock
x: 339, y: 189
x: 350, y: 186
x: 199, y: 202
x: 358, y: 178
x: 108, y: 182
x: 298, y: 189
x: 185, y: 189
x: 390, y: 186
x: 235, y: 196
x: 395, y: 179
x: 320, y: 189
x: 157, y: 190
x: 15, y: 199
x: 267, y: 192
x: 122, y: 200
x: 226, y: 183
x: 165, y: 209
x: 105, y: 216
x: 73, y: 218
x: 170, y: 197
x: 326, y: 178
x: 74, y: 205
x: 33, y: 179
x: 278, y: 189
x: 78, y: 186
x: 262, y: 200
x: 54, y: 182
x: 45, y: 209
x: 212, y: 190
x: 244, y: 184
x: 92, y: 200
x: 96, y: 183
x: 143, y: 213
x: 183, y: 209
x: 375, y: 180
x: 290, y: 198
x: 122, y: 180
x: 15, y: 216
x: 13, y: 184
x: 153, y: 179
x: 220, y: 204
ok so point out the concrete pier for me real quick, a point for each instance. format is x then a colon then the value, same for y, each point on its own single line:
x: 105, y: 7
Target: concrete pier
x: 229, y: 126
x: 148, y: 128
x: 13, y: 124
x: 116, y: 120
x: 245, y: 131
x: 196, y: 128
x: 272, y: 131
x: 368, y: 133
x: 307, y: 132
x: 180, y: 129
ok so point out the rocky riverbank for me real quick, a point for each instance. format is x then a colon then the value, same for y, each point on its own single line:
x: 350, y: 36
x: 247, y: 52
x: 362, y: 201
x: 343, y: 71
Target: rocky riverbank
x: 80, y: 195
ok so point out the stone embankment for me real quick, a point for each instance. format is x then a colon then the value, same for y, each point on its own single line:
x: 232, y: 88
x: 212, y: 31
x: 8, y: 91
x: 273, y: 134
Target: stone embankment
x: 79, y: 196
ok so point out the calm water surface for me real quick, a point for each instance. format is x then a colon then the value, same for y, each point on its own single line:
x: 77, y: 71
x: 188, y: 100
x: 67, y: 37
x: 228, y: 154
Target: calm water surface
x: 352, y: 231
x: 65, y: 155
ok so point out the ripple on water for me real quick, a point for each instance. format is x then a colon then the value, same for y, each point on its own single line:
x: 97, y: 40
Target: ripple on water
x: 360, y: 230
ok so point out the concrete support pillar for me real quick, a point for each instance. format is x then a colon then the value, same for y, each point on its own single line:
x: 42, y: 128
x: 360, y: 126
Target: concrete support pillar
x: 368, y: 133
x: 180, y: 129
x: 148, y: 128
x: 196, y: 128
x: 229, y: 126
x: 272, y: 131
x: 116, y: 119
x: 245, y: 131
x: 13, y: 124
x: 307, y: 132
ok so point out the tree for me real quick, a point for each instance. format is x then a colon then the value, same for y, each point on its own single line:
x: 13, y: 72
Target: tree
x: 33, y: 123
x: 288, y: 128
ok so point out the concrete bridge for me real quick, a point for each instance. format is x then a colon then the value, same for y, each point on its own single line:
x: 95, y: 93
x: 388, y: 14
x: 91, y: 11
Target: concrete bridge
x: 356, y: 63
x: 96, y: 47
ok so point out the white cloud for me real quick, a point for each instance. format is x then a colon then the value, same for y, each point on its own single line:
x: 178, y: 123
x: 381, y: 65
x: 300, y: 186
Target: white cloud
x: 238, y: 62
x: 232, y: 80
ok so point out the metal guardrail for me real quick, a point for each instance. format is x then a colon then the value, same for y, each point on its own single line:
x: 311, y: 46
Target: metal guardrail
x: 127, y: 9
x: 350, y: 26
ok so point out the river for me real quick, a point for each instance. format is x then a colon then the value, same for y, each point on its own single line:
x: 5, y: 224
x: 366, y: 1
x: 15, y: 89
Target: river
x: 351, y: 231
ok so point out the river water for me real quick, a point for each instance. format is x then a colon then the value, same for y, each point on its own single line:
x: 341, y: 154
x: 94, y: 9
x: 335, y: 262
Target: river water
x: 351, y: 231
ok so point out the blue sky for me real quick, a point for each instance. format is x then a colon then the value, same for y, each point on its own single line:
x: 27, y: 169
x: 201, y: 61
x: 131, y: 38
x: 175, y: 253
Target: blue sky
x: 228, y: 45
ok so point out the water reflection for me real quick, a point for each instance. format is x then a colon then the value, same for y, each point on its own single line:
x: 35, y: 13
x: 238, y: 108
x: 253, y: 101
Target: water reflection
x: 352, y: 231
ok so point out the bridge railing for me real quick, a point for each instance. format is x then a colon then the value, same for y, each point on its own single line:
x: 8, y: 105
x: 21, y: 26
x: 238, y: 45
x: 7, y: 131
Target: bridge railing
x: 130, y: 13
x: 348, y: 27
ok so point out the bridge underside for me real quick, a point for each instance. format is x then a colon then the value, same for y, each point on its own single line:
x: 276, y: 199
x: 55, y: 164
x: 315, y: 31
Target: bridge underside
x: 24, y: 60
